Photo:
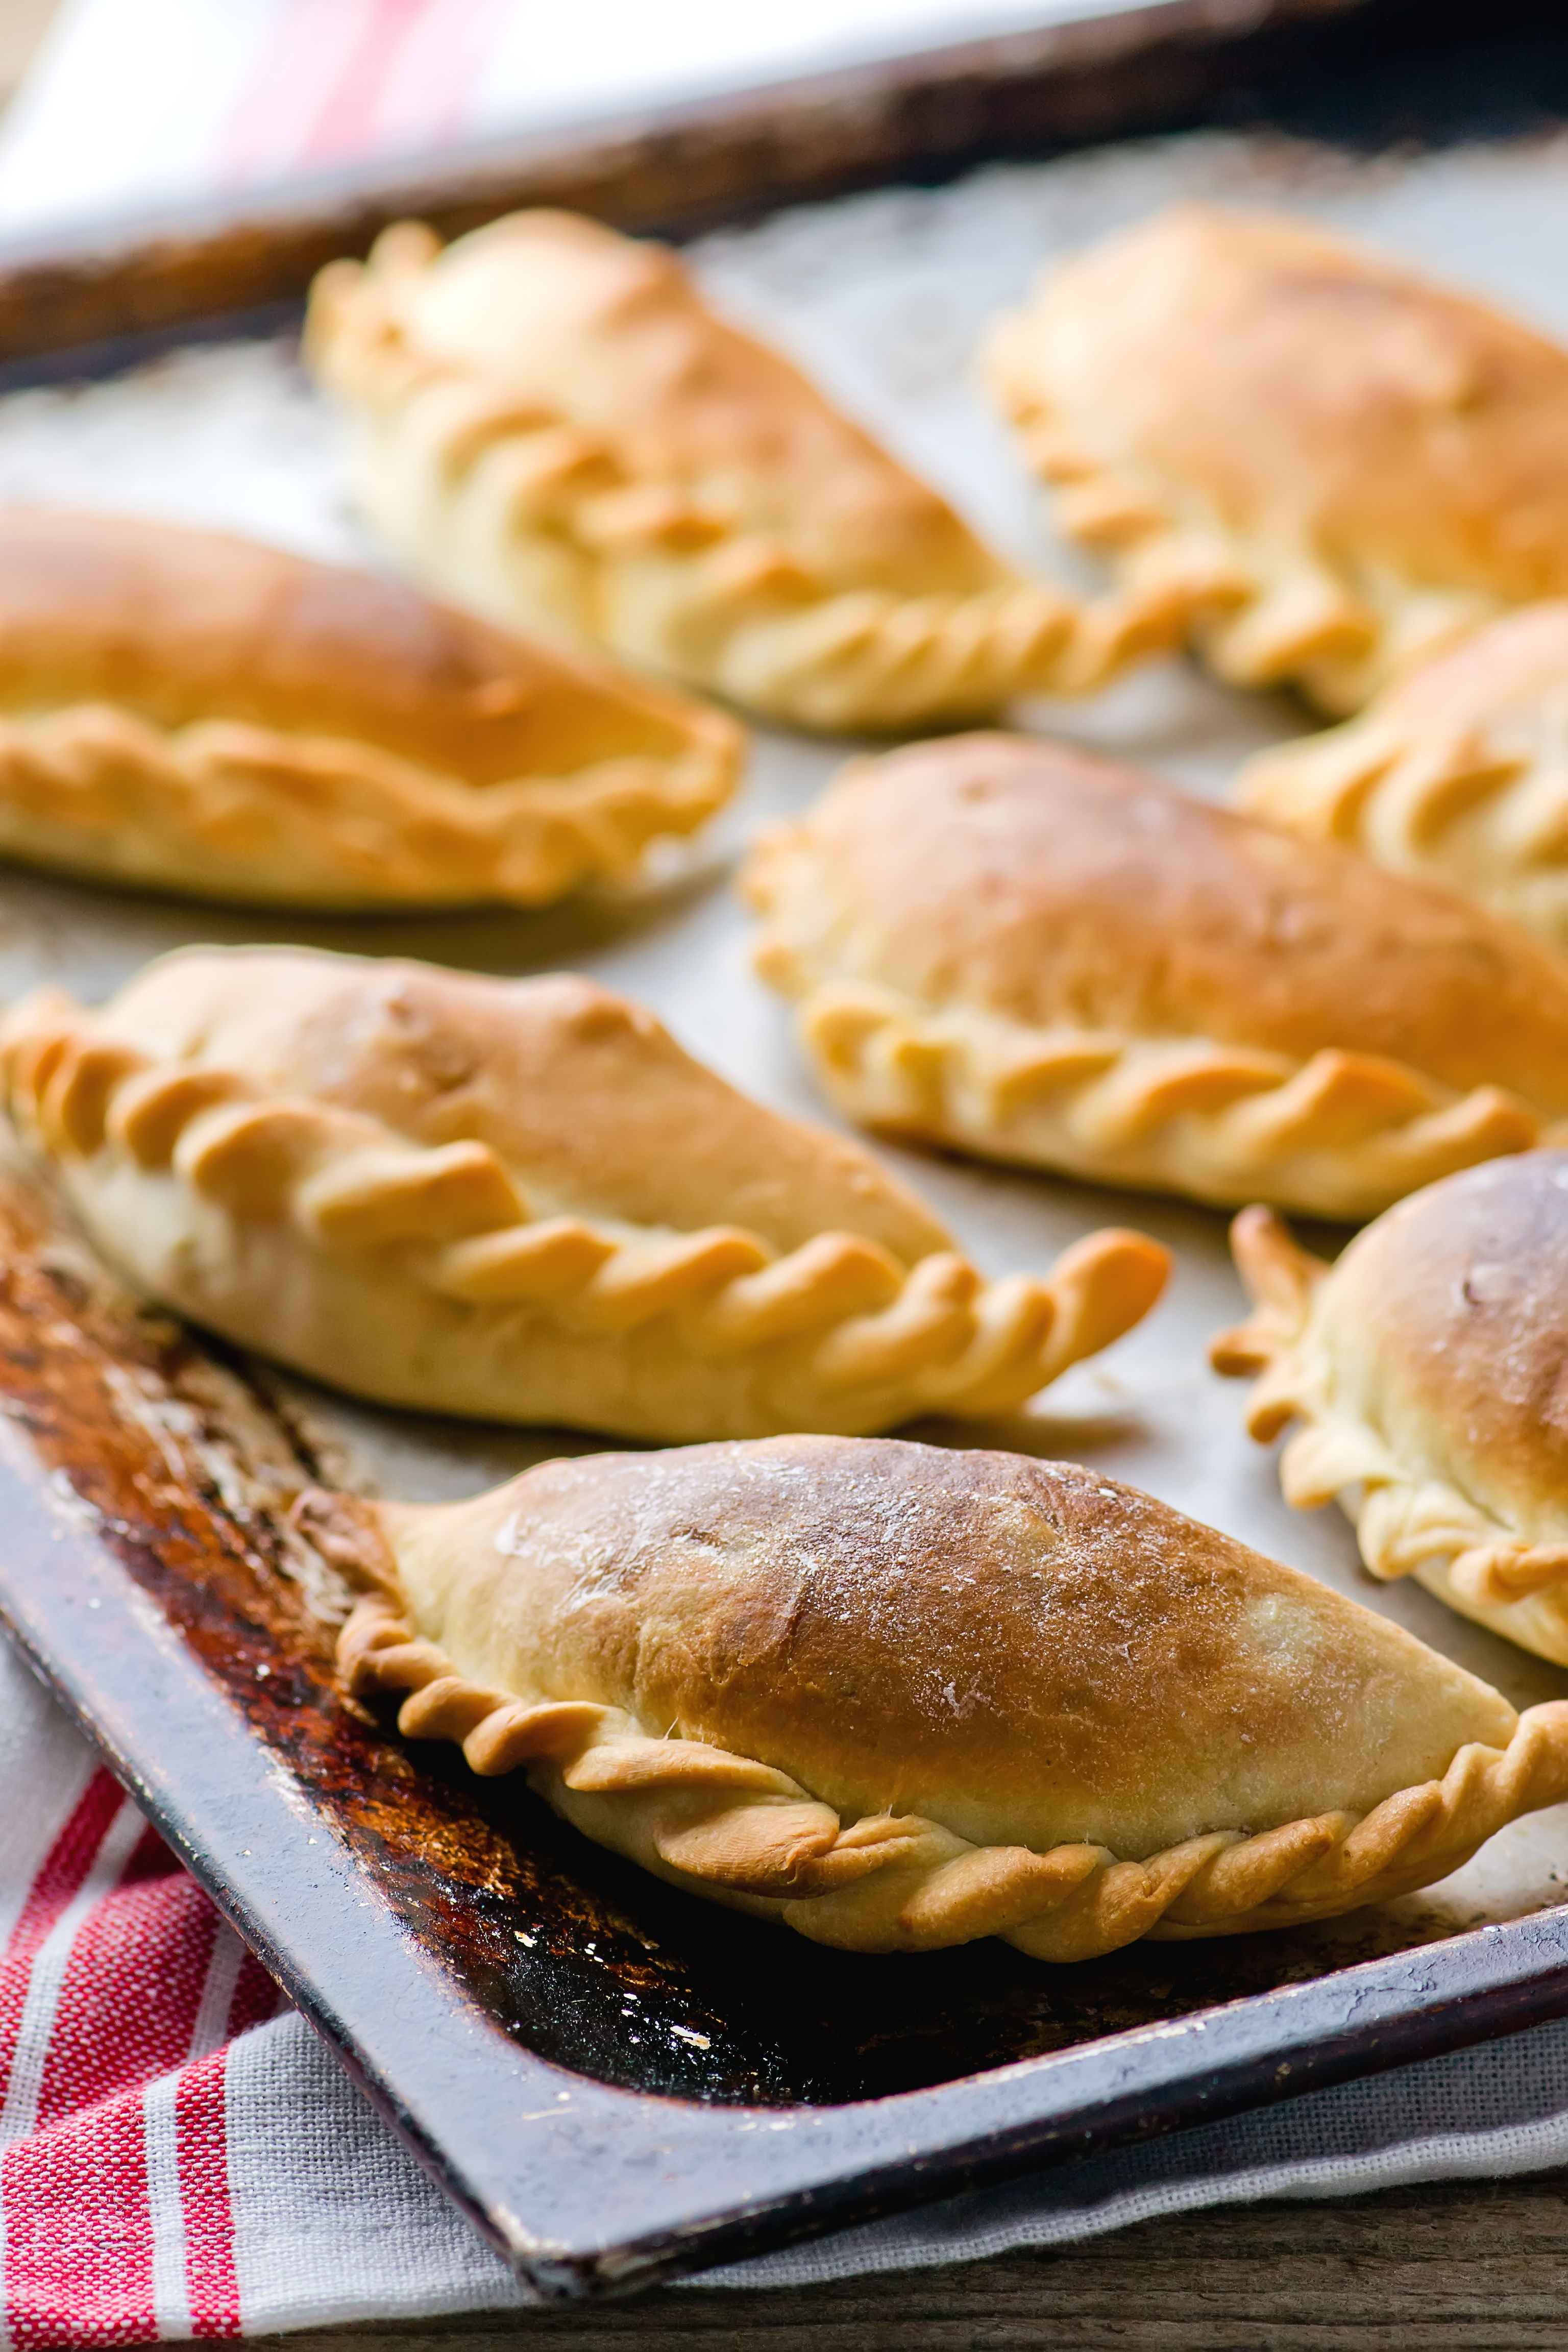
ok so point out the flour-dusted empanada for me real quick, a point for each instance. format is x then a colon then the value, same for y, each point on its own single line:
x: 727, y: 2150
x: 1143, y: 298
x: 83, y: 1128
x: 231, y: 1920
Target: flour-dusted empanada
x: 1012, y: 948
x: 1336, y: 462
x: 521, y: 1200
x: 1459, y: 772
x: 197, y: 713
x: 553, y: 428
x: 1429, y: 1370
x: 898, y: 1697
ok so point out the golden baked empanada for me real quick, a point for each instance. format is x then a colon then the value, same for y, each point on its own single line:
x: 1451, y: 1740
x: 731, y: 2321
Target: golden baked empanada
x: 520, y: 1200
x: 1336, y: 462
x: 1429, y: 1370
x: 1459, y: 772
x: 1015, y: 949
x: 897, y: 1697
x: 197, y: 713
x: 554, y: 429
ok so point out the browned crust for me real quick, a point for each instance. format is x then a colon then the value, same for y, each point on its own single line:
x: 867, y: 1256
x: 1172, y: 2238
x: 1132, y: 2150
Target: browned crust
x: 478, y: 1197
x: 612, y: 331
x: 1457, y: 771
x: 551, y: 423
x: 1510, y: 665
x: 895, y: 1699
x: 1453, y: 1309
x: 579, y: 1088
x: 1054, y: 890
x: 1332, y: 463
x: 178, y: 627
x: 1026, y: 1651
x: 1312, y: 387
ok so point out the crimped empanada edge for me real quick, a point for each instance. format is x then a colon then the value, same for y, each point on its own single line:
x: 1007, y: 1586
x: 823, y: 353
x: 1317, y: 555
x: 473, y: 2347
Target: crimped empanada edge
x: 1472, y: 808
x: 673, y: 585
x: 1223, y: 1124
x: 837, y: 1330
x: 741, y: 1832
x: 1261, y: 616
x: 250, y: 814
x: 1407, y: 1522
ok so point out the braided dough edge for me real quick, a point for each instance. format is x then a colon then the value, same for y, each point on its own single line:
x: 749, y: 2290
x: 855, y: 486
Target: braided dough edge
x: 1260, y: 614
x: 521, y: 513
x: 251, y: 813
x: 1341, y: 1135
x: 1407, y: 1522
x: 1474, y: 808
x: 840, y: 1334
x: 740, y: 1832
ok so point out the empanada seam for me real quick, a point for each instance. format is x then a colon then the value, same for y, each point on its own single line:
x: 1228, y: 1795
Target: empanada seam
x: 733, y: 611
x: 1407, y: 1523
x: 351, y: 824
x: 1399, y: 796
x: 1261, y: 612
x: 893, y: 1065
x: 820, y: 1876
x: 932, y: 1335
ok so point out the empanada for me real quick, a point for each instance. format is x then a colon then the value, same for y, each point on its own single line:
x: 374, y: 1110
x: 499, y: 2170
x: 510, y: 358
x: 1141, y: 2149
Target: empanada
x: 1338, y: 463
x: 1459, y: 772
x: 197, y: 713
x: 1018, y: 950
x: 1429, y: 1370
x: 552, y: 429
x: 898, y: 1697
x: 520, y: 1200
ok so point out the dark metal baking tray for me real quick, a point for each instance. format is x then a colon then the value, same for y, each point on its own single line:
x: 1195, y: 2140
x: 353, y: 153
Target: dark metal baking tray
x: 615, y: 2082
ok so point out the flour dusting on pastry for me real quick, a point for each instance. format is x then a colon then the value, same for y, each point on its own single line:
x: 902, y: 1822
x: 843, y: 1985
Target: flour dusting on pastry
x: 737, y: 1666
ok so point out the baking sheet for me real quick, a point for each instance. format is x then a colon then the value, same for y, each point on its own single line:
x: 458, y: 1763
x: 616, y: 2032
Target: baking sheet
x: 885, y: 298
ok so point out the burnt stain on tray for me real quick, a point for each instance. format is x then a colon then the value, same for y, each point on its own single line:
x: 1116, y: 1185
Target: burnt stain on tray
x: 172, y: 1457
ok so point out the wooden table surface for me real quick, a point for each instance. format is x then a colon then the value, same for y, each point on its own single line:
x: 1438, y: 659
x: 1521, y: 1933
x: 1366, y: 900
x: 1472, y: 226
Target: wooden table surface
x: 1471, y: 2264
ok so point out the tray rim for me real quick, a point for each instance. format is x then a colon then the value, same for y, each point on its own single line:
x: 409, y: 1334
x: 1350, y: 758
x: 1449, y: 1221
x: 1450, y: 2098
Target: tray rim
x: 869, y: 2158
x: 779, y: 2175
x: 681, y: 167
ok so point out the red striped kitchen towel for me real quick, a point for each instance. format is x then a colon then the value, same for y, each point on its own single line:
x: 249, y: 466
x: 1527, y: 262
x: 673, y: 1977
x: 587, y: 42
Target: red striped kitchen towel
x: 180, y: 2156
x: 172, y: 2164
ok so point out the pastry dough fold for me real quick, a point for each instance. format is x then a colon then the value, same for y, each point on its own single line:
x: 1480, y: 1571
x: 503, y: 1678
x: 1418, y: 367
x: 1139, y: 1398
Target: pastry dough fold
x: 523, y: 1201
x: 1015, y: 949
x: 1336, y: 464
x: 1457, y: 771
x: 552, y: 429
x: 896, y: 1698
x: 1428, y: 1370
x: 192, y: 712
